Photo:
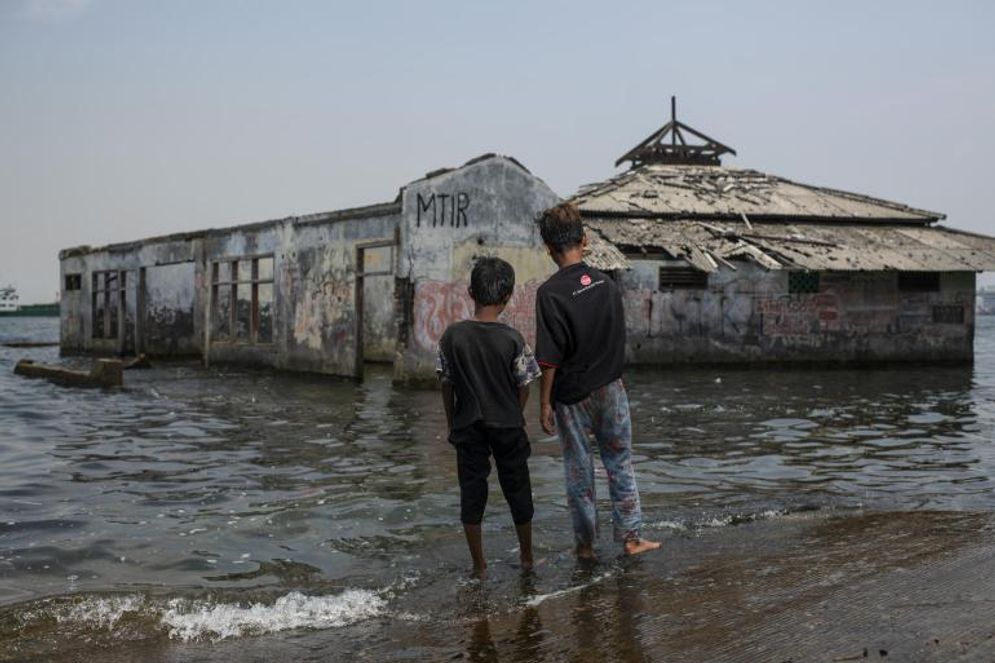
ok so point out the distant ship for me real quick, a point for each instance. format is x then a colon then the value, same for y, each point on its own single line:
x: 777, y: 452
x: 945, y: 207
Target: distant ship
x: 10, y: 305
x: 10, y: 302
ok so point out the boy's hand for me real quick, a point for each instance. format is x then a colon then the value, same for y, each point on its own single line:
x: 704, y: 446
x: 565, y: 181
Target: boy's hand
x: 547, y: 419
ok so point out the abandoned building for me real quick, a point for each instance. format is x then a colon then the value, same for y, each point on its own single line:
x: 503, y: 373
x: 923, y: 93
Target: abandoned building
x: 718, y: 264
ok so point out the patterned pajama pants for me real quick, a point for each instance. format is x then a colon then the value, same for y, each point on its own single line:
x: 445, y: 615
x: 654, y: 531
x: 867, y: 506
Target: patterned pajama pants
x: 603, y: 415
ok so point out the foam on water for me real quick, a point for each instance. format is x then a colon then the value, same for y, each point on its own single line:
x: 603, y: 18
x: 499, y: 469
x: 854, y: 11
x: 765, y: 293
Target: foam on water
x: 722, y: 520
x: 188, y: 619
x: 101, y: 612
x: 538, y: 599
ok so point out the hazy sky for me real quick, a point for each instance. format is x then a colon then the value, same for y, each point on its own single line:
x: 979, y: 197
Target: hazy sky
x: 121, y: 119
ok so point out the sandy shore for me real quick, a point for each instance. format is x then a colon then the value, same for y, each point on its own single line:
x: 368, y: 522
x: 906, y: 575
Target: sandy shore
x: 900, y: 586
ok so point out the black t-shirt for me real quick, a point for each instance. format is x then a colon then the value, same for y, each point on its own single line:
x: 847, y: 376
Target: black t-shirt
x: 486, y: 362
x: 580, y: 331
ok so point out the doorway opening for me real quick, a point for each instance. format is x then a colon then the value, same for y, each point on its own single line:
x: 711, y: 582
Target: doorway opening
x: 376, y: 322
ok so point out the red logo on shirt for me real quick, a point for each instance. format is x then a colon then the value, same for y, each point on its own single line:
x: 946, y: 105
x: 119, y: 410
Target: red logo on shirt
x: 585, y: 280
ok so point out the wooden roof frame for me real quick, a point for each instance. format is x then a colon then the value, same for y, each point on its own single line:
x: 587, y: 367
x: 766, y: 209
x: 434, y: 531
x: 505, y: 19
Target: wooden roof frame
x: 656, y: 148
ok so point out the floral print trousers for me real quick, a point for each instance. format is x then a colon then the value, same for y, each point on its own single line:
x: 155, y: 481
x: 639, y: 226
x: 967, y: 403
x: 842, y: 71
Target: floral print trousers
x: 603, y: 416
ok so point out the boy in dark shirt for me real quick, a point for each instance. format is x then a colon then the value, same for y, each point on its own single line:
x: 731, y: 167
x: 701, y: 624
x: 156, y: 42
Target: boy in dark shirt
x: 485, y: 367
x: 580, y: 345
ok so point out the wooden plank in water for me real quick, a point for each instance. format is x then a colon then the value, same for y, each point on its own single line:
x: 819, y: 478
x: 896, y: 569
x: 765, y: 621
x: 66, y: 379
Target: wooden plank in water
x: 106, y: 373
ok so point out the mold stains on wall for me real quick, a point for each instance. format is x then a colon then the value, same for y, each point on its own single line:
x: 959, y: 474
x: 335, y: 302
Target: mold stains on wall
x: 321, y: 289
x: 169, y: 324
x: 748, y: 315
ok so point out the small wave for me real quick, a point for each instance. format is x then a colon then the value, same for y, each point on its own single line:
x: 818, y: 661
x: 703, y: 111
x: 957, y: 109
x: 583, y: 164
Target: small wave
x: 199, y: 619
x: 189, y: 620
x: 102, y: 612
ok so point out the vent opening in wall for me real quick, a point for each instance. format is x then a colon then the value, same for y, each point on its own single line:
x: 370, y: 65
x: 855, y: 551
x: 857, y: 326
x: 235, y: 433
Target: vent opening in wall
x: 919, y: 281
x: 682, y: 277
x: 948, y: 314
x: 803, y: 283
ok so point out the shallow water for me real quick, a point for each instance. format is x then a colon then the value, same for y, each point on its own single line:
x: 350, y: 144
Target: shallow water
x: 203, y: 505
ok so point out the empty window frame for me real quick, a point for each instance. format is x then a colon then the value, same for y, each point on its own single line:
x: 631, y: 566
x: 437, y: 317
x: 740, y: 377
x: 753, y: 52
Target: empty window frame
x: 72, y: 282
x: 948, y: 314
x: 682, y: 277
x: 242, y: 300
x: 802, y: 283
x: 107, y: 300
x: 919, y: 281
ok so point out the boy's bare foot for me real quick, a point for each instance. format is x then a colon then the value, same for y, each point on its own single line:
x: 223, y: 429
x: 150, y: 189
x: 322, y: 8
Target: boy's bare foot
x: 586, y: 554
x: 637, y: 546
x: 526, y: 564
x: 480, y: 572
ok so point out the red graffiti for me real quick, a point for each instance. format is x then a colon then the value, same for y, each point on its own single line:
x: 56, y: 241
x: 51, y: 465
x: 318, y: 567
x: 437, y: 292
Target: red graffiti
x: 439, y: 304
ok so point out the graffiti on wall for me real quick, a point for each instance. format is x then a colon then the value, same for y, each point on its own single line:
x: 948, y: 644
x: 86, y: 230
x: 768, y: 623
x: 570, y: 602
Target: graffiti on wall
x: 439, y: 304
x: 443, y: 209
x: 322, y: 301
x: 799, y: 315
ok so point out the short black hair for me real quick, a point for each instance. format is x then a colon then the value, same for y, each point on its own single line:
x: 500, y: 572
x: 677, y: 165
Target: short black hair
x: 492, y: 281
x: 561, y: 227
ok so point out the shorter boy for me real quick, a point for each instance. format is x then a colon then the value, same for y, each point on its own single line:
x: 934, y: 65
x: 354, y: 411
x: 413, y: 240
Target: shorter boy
x: 485, y: 367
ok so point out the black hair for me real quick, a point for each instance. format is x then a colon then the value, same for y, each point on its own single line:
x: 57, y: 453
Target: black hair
x: 561, y: 227
x: 491, y: 281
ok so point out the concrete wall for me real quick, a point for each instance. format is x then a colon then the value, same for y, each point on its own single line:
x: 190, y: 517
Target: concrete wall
x: 169, y: 319
x: 484, y: 208
x: 748, y: 315
x: 164, y: 259
x: 417, y: 257
x: 313, y: 289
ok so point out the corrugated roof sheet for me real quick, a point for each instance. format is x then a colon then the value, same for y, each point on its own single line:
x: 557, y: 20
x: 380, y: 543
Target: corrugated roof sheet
x: 804, y: 246
x: 603, y: 255
x: 682, y: 191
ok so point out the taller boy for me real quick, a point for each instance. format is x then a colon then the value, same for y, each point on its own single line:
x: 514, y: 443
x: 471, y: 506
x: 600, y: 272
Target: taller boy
x: 580, y: 346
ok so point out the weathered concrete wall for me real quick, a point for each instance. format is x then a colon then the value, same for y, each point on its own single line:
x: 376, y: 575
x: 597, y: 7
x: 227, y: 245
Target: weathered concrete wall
x: 304, y: 313
x: 169, y: 316
x: 73, y: 306
x: 747, y: 315
x: 317, y: 293
x: 311, y: 282
x: 77, y: 328
x: 483, y: 208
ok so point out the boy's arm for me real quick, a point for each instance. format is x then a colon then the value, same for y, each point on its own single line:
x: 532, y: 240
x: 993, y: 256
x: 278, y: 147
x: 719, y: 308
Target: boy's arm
x: 550, y: 340
x: 448, y: 403
x: 546, y: 418
x: 448, y: 394
x: 525, y: 369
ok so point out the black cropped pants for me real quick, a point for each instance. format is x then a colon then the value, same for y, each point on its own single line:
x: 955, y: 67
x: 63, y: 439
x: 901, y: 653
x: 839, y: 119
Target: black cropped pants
x: 510, y: 447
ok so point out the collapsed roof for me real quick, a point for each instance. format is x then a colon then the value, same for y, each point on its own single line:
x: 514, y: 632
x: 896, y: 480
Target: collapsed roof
x: 678, y: 201
x: 716, y: 192
x: 706, y: 245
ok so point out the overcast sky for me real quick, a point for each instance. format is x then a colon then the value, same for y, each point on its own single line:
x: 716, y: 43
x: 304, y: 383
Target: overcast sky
x: 121, y: 119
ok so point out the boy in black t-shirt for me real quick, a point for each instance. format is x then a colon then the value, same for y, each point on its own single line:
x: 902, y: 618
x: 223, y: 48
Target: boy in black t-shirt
x: 485, y: 367
x: 580, y: 345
